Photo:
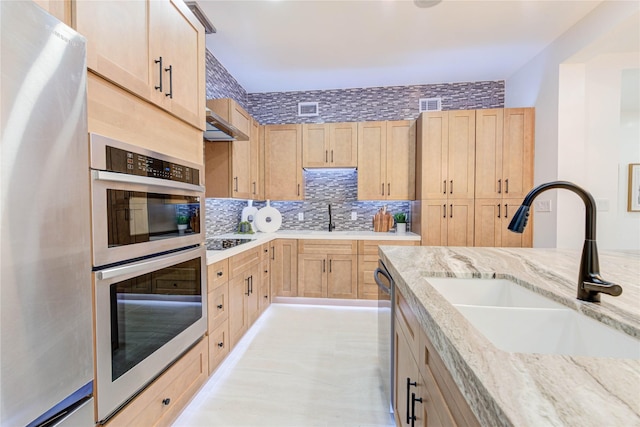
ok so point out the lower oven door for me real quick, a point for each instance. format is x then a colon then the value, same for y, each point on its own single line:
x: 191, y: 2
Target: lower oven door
x: 146, y: 314
x: 386, y: 295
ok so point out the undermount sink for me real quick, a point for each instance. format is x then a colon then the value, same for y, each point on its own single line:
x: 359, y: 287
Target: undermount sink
x: 518, y: 320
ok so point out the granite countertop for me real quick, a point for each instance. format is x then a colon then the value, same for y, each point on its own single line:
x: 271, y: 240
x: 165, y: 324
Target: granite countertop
x: 258, y: 239
x: 519, y: 389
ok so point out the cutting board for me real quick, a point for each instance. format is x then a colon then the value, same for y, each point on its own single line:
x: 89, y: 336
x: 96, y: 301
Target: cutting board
x: 382, y: 221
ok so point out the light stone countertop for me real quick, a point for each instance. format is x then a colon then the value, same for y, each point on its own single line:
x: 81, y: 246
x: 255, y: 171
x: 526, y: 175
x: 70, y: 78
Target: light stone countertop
x: 260, y: 238
x: 518, y: 389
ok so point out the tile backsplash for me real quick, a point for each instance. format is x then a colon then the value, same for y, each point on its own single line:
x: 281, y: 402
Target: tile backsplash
x: 338, y: 187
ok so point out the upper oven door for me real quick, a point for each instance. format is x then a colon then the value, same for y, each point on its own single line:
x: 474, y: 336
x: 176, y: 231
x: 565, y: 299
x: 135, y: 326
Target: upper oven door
x: 134, y: 215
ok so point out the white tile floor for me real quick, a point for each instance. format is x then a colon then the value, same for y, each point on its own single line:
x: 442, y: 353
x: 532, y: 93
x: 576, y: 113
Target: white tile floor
x: 299, y: 365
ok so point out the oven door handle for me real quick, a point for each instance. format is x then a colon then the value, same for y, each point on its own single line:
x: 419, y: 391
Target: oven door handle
x: 144, y: 180
x: 148, y: 265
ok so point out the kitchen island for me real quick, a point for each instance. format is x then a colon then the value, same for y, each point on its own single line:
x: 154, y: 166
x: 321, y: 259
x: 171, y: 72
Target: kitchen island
x: 519, y: 389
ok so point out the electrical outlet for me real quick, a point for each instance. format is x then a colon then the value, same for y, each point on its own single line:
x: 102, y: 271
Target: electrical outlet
x: 354, y: 216
x: 543, y: 205
x: 300, y: 216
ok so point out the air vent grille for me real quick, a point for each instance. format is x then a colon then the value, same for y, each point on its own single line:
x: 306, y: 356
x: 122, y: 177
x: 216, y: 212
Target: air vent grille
x: 307, y: 109
x: 430, y: 104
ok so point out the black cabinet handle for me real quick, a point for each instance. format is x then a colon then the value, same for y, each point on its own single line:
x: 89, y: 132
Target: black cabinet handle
x: 450, y: 211
x: 235, y: 184
x: 444, y: 184
x: 251, y: 284
x: 248, y: 293
x: 298, y: 189
x: 159, y: 62
x: 220, y: 344
x: 324, y: 265
x: 273, y: 253
x: 414, y: 399
x: 499, y: 186
x: 166, y: 401
x: 330, y: 268
x: 219, y: 306
x: 331, y: 156
x: 409, y: 384
x: 254, y: 187
x: 506, y: 185
x: 170, y: 70
x: 444, y: 211
x: 451, y: 187
x: 388, y: 189
x: 326, y: 156
x: 219, y: 273
x: 383, y: 188
x: 498, y: 210
x: 506, y: 210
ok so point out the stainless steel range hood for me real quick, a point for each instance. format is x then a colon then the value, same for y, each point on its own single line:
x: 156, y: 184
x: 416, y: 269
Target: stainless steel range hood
x: 219, y: 129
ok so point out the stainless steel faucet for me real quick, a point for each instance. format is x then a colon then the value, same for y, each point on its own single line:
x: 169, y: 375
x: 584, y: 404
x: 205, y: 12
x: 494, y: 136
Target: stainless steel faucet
x: 332, y: 226
x: 590, y: 284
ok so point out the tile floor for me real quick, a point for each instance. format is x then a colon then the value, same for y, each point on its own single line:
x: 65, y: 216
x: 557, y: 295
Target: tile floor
x: 299, y: 365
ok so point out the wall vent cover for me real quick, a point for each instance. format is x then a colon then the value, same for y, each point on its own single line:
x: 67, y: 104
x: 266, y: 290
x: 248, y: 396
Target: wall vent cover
x: 430, y: 104
x: 308, y: 109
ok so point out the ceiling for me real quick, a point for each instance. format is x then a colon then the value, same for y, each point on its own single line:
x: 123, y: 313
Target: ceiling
x: 293, y: 45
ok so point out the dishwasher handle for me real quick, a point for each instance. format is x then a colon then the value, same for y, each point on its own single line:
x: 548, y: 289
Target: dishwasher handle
x: 378, y: 271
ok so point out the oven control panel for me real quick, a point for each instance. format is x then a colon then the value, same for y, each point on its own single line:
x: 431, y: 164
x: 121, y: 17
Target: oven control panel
x: 132, y: 163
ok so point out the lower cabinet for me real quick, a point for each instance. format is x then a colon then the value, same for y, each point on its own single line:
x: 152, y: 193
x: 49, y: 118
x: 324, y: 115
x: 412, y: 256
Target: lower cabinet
x: 218, y: 312
x: 425, y: 393
x: 327, y: 269
x: 492, y: 219
x: 161, y: 403
x: 368, y: 262
x: 264, y: 295
x: 283, y: 264
x: 243, y: 303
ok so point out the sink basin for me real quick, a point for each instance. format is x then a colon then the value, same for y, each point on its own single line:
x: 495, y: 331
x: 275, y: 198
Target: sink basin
x: 489, y: 292
x: 518, y: 320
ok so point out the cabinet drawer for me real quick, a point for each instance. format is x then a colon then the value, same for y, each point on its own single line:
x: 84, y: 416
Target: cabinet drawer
x: 218, y: 345
x: 408, y: 322
x: 367, y: 287
x: 441, y: 385
x: 243, y: 261
x: 218, y: 274
x: 370, y: 247
x: 167, y: 396
x: 346, y: 247
x: 217, y: 306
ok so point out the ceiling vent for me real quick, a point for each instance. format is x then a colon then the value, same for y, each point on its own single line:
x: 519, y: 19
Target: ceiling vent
x: 308, y: 109
x: 430, y: 104
x: 201, y: 16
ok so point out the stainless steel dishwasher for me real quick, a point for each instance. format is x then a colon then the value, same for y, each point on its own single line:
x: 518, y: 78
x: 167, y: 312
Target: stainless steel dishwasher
x: 386, y: 296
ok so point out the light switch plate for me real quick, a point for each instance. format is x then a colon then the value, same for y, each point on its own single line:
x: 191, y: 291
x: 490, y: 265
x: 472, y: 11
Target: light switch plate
x: 300, y: 216
x: 543, y: 205
x: 354, y: 216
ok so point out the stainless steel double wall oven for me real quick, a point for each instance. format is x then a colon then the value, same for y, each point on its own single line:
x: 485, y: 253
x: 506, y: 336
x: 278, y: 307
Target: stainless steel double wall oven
x: 149, y: 265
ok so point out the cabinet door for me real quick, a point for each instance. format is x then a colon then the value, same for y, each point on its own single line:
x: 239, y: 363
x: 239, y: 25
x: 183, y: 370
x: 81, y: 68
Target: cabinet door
x: 434, y: 222
x: 118, y: 43
x: 487, y: 231
x: 460, y: 222
x: 61, y: 9
x: 510, y: 239
x: 177, y: 37
x: 461, y: 156
x: 406, y: 374
x: 343, y: 145
x: 284, y: 267
x: 254, y: 164
x: 518, y: 147
x: 400, y: 161
x: 283, y: 162
x: 241, y: 169
x: 218, y: 306
x: 372, y: 142
x: 342, y: 279
x: 238, y: 306
x: 312, y: 275
x: 218, y: 345
x: 431, y: 155
x: 315, y: 145
x: 489, y: 128
x: 253, y: 299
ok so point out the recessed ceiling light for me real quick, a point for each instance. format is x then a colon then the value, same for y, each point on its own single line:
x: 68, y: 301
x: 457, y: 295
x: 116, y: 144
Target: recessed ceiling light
x: 426, y: 3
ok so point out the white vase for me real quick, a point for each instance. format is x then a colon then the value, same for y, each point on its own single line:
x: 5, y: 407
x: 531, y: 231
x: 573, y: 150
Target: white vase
x: 181, y: 228
x: 401, y: 227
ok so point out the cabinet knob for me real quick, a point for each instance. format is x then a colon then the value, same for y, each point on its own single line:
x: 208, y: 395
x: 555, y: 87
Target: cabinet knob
x: 220, y: 306
x: 220, y: 344
x: 219, y: 273
x: 166, y: 401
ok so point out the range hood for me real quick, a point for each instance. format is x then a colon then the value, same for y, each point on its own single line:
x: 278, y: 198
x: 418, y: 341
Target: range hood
x: 219, y: 129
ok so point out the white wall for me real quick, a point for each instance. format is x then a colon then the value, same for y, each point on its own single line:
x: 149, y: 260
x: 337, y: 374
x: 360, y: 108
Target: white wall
x: 560, y: 84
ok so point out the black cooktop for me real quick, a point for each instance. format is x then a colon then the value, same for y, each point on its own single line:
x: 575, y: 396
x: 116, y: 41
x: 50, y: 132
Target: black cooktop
x: 220, y: 244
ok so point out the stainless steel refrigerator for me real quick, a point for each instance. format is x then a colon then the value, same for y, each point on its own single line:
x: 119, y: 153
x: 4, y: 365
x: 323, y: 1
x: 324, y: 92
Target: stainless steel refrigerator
x: 45, y: 259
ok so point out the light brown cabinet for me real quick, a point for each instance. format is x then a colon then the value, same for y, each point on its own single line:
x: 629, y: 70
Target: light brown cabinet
x: 505, y: 150
x: 264, y: 295
x: 157, y: 53
x: 61, y: 9
x: 164, y: 399
x: 444, y: 222
x: 327, y: 269
x: 256, y: 164
x: 492, y: 217
x: 244, y: 290
x: 425, y: 392
x: 368, y: 262
x: 283, y: 162
x: 218, y: 312
x: 230, y: 111
x: 386, y: 160
x: 283, y: 264
x: 445, y: 155
x: 330, y: 145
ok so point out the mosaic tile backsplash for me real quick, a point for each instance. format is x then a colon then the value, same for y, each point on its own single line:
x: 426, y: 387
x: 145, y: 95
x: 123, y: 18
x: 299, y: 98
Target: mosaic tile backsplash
x: 221, y: 84
x: 338, y: 187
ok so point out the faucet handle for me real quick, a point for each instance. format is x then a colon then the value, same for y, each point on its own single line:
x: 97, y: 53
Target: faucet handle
x: 595, y: 284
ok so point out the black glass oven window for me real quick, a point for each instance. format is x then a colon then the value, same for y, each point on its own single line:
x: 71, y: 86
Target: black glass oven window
x: 149, y: 310
x: 136, y: 217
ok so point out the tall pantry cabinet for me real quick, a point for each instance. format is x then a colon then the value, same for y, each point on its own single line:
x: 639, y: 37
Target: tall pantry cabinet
x: 473, y: 168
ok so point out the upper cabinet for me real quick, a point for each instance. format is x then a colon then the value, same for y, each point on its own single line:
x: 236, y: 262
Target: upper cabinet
x: 386, y: 165
x: 446, y: 155
x: 231, y: 112
x: 330, y: 145
x: 283, y: 162
x: 155, y: 51
x: 61, y: 9
x: 504, y: 159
